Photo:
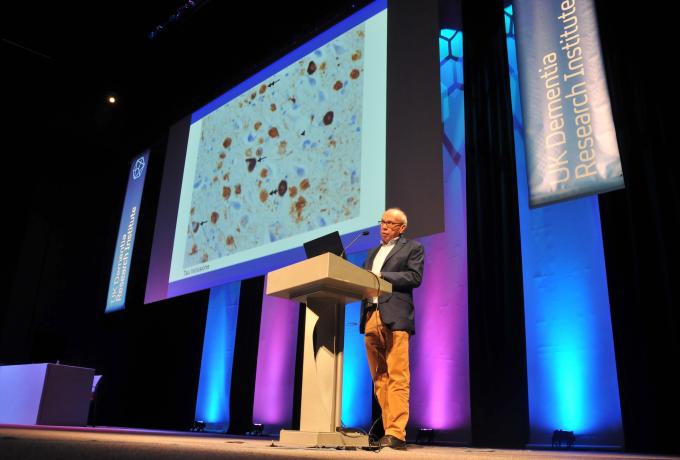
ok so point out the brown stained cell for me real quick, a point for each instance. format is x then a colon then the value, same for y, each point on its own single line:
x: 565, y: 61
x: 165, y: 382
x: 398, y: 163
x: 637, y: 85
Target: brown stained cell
x: 226, y: 143
x: 332, y: 143
x: 263, y: 173
x: 257, y: 125
x: 262, y: 89
x: 249, y: 152
x: 258, y: 152
x: 251, y: 164
x: 226, y: 192
x: 204, y: 257
x: 272, y: 107
x: 223, y: 155
x: 292, y: 191
x: 238, y: 189
x: 230, y: 240
x: 354, y: 74
x: 337, y: 86
x: 328, y: 118
x: 357, y: 55
x: 263, y: 195
x: 360, y: 33
x: 298, y: 207
x: 252, y: 95
x: 282, y: 188
x: 194, y: 250
x: 304, y: 185
x: 226, y: 176
x: 213, y: 217
x: 192, y: 211
x: 273, y: 132
x: 311, y: 68
x: 219, y: 165
x: 195, y: 226
x: 260, y: 141
x: 282, y: 147
x: 323, y: 66
x: 215, y: 179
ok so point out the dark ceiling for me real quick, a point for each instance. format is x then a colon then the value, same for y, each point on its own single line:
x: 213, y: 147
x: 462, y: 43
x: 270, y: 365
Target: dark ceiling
x: 61, y: 59
x: 66, y: 57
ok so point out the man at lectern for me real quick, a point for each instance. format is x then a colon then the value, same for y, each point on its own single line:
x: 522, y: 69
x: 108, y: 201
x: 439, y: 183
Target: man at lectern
x: 388, y: 323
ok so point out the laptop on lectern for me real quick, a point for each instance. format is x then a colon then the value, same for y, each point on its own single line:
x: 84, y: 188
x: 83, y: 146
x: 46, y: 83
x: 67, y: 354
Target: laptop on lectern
x: 327, y: 243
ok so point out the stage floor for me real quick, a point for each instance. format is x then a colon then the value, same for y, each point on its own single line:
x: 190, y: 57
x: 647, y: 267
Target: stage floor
x: 102, y: 443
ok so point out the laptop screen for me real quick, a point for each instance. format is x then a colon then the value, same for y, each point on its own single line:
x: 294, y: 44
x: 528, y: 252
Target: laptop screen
x: 327, y: 243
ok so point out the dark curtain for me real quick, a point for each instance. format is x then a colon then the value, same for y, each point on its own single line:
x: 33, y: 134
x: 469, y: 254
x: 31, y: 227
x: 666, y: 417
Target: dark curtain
x: 498, y: 383
x: 640, y: 224
x: 245, y: 355
x: 150, y: 360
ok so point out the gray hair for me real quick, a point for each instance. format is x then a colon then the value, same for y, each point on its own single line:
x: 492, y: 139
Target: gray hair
x: 401, y: 214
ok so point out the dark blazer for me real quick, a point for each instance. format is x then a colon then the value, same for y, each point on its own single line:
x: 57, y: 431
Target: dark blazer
x: 403, y: 268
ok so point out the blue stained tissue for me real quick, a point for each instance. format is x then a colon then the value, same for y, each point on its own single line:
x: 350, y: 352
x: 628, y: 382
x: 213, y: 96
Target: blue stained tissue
x: 306, y: 144
x: 251, y: 138
x: 354, y: 178
x: 312, y: 81
x: 236, y: 205
x: 353, y: 120
x: 322, y: 97
x: 300, y: 171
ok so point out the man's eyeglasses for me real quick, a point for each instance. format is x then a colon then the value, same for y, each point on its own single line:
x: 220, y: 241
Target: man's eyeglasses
x: 389, y: 223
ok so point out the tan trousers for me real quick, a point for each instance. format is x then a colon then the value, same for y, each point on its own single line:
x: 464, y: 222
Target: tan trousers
x: 387, y: 353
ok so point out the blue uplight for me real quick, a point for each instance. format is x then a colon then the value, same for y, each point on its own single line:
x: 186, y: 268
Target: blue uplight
x: 357, y: 388
x: 214, y: 387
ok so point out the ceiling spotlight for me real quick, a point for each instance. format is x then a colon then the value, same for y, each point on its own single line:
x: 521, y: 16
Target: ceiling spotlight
x: 111, y: 99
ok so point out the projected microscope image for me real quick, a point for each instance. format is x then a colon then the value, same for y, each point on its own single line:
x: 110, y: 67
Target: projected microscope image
x: 283, y: 158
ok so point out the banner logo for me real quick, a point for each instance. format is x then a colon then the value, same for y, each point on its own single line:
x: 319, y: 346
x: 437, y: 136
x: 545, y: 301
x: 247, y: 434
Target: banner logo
x: 138, y: 168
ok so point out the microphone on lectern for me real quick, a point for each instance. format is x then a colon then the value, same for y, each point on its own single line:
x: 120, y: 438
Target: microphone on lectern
x: 364, y: 233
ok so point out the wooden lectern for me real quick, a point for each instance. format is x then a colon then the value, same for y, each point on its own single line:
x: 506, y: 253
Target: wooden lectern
x: 325, y: 284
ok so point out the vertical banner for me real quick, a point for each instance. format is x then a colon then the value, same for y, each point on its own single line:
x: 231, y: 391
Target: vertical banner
x: 569, y: 130
x: 571, y: 363
x: 126, y: 234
